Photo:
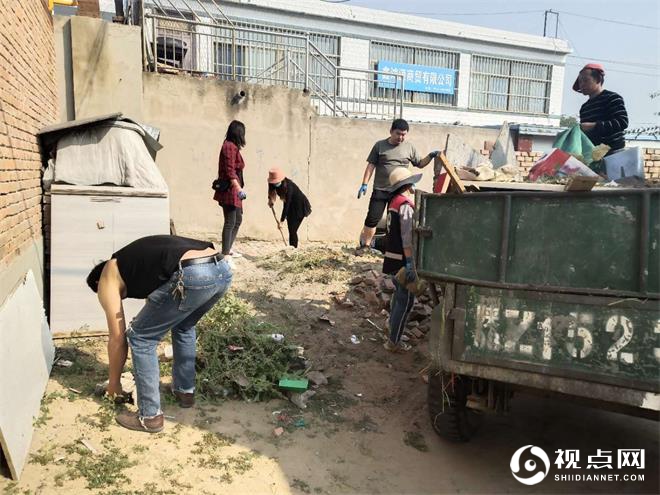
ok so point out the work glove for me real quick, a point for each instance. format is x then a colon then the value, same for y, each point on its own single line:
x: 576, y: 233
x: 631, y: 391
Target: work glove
x: 433, y: 154
x: 411, y: 274
x: 362, y: 191
x: 241, y: 194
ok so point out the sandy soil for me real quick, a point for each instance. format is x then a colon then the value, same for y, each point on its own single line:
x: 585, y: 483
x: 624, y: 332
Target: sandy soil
x: 367, y: 431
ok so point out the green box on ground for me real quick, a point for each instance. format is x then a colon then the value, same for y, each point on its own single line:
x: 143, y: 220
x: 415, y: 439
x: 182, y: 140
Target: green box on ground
x: 294, y: 385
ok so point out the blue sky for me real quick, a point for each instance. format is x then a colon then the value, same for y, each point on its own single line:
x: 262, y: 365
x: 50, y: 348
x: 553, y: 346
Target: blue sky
x: 630, y: 54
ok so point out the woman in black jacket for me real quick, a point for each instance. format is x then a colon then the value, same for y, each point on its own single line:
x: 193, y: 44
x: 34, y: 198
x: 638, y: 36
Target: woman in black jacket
x: 296, y: 205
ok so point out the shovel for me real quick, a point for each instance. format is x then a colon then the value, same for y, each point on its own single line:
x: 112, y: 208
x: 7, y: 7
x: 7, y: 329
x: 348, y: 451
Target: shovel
x: 279, y: 225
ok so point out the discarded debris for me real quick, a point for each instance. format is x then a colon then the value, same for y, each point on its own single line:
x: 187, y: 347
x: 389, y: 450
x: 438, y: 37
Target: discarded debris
x: 300, y: 400
x: 278, y: 432
x: 310, y: 265
x: 376, y: 326
x: 64, y: 363
x: 327, y: 319
x: 299, y: 423
x: 355, y: 339
x: 88, y: 445
x: 317, y: 378
x: 166, y: 353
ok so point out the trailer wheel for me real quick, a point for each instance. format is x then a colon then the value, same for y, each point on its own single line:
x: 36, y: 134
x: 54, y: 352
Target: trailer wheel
x: 450, y: 416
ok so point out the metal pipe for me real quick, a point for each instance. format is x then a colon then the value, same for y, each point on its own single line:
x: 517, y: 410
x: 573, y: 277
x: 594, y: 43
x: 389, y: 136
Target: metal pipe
x: 644, y: 242
x: 155, y: 45
x: 192, y: 11
x: 157, y: 3
x: 403, y: 89
x: 177, y: 9
x: 538, y: 288
x: 504, y: 241
x: 306, y: 63
x: 223, y: 14
x: 233, y: 54
x: 248, y: 30
x: 334, y: 94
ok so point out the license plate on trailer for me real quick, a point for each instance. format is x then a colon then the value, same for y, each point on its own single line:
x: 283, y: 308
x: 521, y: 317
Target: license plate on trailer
x: 597, y: 335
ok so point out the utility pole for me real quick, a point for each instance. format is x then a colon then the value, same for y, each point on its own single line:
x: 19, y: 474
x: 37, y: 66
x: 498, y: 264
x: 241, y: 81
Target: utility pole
x: 545, y: 21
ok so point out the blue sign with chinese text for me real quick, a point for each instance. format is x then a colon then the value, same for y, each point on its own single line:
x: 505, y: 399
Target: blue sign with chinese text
x: 421, y: 78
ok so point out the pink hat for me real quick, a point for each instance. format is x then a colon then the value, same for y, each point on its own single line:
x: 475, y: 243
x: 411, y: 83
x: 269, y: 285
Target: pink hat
x: 598, y: 67
x: 275, y: 175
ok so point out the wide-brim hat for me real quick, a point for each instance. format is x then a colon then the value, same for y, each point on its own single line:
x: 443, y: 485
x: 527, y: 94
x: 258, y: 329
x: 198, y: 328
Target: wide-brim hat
x: 400, y: 177
x: 594, y: 66
x: 275, y: 175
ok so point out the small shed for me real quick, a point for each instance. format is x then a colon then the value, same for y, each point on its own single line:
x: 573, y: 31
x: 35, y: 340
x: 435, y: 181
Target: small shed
x: 102, y: 191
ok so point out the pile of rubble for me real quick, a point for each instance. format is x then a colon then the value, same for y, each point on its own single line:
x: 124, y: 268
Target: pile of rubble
x: 371, y: 293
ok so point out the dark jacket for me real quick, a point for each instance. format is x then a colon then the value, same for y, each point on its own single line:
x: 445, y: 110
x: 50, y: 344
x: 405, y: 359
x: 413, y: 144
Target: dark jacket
x: 296, y: 205
x: 230, y: 166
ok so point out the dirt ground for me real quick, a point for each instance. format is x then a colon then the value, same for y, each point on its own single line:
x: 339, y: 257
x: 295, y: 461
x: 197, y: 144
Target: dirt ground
x: 366, y: 431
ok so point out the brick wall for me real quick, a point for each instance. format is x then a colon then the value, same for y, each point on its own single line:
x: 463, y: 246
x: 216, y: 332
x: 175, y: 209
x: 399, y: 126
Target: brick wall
x: 27, y: 103
x: 526, y: 159
x: 651, y: 161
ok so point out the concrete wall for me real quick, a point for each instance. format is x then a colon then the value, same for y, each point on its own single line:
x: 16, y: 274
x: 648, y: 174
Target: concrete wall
x: 325, y: 156
x: 107, y: 68
x: 193, y: 115
x: 28, y: 101
x: 64, y: 68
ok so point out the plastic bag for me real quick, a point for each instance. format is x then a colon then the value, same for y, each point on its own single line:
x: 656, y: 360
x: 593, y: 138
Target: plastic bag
x: 575, y: 142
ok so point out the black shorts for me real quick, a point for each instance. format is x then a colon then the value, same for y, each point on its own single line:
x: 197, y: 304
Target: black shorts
x: 377, y: 204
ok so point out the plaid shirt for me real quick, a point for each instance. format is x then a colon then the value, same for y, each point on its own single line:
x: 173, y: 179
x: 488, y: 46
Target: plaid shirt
x: 230, y: 166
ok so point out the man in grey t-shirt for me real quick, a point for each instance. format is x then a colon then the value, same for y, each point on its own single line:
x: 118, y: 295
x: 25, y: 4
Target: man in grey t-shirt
x: 385, y: 156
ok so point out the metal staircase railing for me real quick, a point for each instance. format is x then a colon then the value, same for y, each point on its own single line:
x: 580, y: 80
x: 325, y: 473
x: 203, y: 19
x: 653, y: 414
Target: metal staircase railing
x: 181, y: 38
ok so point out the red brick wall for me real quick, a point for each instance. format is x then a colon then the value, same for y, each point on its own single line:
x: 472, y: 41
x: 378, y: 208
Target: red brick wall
x: 27, y: 103
x: 651, y: 161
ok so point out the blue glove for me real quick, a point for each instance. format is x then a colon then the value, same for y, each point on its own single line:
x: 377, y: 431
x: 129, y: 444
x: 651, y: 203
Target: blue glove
x: 241, y: 194
x: 362, y: 191
x: 411, y: 275
x: 433, y: 154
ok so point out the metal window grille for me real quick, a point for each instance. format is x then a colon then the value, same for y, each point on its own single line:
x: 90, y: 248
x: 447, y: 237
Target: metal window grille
x: 263, y: 53
x: 266, y: 54
x: 420, y: 56
x: 509, y: 85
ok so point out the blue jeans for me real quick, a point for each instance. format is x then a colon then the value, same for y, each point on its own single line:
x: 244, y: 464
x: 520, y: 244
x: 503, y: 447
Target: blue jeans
x: 178, y: 305
x: 400, y: 308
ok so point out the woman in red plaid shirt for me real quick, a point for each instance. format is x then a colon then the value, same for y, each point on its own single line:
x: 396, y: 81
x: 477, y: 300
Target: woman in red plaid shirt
x: 230, y: 193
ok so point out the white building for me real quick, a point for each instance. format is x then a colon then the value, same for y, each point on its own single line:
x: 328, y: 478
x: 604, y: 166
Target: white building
x: 455, y: 73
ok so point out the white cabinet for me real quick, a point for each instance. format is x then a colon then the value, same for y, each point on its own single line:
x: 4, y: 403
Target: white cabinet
x: 88, y: 224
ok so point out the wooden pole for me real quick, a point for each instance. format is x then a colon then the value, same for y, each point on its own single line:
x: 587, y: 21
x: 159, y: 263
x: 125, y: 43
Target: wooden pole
x: 279, y: 225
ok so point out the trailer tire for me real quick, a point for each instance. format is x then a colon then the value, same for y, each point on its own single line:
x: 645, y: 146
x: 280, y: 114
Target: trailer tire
x: 450, y: 416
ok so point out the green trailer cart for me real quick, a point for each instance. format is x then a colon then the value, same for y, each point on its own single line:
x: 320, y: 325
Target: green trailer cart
x: 548, y: 292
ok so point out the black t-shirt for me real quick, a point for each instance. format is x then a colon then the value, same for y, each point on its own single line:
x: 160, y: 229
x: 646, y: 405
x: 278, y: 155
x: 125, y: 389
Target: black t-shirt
x: 147, y: 263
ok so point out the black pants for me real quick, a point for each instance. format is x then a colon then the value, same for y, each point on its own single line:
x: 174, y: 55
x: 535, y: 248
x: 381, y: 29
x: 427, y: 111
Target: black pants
x: 377, y: 204
x: 233, y: 219
x: 293, y: 225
